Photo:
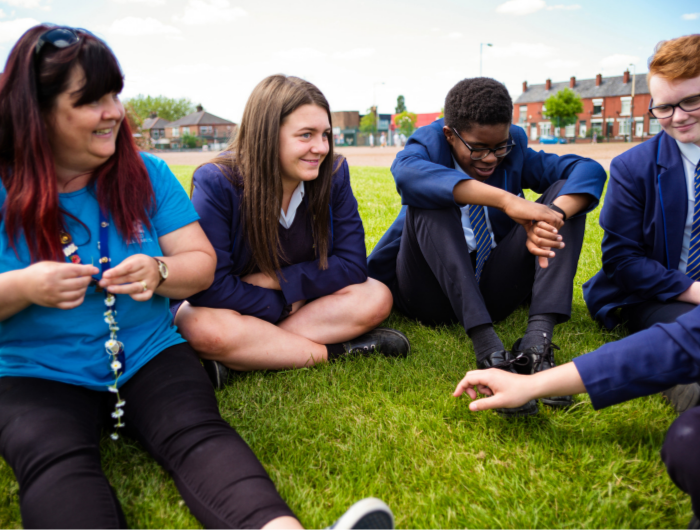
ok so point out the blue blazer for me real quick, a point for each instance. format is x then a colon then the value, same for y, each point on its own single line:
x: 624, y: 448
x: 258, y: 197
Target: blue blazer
x: 643, y: 216
x: 645, y: 363
x: 425, y: 176
x: 217, y: 202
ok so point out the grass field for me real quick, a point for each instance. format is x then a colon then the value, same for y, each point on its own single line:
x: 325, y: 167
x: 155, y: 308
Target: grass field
x: 333, y: 434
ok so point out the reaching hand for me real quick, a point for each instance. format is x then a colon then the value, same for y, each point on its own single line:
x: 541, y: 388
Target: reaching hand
x: 506, y: 390
x: 54, y: 284
x: 136, y: 276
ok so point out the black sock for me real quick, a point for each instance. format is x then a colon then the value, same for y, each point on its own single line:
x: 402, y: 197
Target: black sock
x: 485, y: 341
x: 335, y: 351
x: 537, y: 327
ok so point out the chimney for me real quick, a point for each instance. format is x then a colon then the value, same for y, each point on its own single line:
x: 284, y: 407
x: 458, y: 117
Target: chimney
x: 153, y: 114
x: 626, y: 77
x: 598, y: 79
x: 200, y: 108
x: 548, y: 84
x: 572, y: 82
x: 524, y: 86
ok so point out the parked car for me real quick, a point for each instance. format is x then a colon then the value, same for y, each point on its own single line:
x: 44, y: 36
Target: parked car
x: 552, y: 140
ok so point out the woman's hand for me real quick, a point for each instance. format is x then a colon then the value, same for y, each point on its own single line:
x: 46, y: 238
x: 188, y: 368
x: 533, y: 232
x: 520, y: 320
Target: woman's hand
x: 260, y: 279
x: 137, y: 276
x: 54, y: 284
x: 506, y: 390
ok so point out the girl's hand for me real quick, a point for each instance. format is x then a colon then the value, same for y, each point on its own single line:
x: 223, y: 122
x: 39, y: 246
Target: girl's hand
x: 136, y: 276
x: 54, y: 284
x: 506, y: 390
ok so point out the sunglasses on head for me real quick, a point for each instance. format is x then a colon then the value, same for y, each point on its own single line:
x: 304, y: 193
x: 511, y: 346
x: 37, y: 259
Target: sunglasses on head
x: 60, y: 37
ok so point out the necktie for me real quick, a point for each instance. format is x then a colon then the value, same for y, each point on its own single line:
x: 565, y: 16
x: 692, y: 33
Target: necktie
x: 693, y: 269
x: 477, y: 218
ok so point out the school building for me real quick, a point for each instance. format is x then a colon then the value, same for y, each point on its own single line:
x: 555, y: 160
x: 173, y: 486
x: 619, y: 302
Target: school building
x: 609, y: 110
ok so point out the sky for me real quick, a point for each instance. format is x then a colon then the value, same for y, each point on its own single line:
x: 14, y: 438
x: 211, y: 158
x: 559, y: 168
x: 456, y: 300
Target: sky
x: 358, y: 52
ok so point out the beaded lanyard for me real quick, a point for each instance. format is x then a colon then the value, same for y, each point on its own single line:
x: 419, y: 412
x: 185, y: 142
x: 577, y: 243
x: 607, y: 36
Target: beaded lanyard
x: 114, y: 348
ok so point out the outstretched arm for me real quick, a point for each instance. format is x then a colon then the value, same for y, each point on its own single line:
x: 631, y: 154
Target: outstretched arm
x: 506, y: 390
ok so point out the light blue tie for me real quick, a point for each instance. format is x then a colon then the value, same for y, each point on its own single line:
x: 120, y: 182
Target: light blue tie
x: 693, y: 269
x: 477, y: 218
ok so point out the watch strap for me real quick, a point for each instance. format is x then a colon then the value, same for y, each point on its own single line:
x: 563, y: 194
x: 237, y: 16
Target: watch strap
x: 556, y: 208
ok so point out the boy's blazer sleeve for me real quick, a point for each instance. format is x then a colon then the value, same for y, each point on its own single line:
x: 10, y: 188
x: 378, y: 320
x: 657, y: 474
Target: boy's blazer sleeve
x: 217, y: 205
x: 347, y: 259
x: 423, y: 173
x: 644, y: 363
x: 541, y: 170
x: 624, y: 259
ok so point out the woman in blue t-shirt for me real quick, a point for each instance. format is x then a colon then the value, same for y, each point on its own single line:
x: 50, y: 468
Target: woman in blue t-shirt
x: 94, y: 239
x: 291, y: 286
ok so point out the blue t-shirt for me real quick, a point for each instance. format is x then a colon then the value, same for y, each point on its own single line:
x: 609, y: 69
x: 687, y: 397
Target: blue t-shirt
x: 68, y: 345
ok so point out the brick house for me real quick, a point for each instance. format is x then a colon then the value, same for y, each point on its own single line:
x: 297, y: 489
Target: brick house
x: 153, y: 129
x: 203, y: 125
x: 608, y: 108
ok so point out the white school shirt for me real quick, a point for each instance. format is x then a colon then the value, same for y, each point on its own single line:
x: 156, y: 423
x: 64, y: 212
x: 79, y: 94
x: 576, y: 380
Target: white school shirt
x: 690, y: 153
x: 467, y: 224
x: 286, y: 219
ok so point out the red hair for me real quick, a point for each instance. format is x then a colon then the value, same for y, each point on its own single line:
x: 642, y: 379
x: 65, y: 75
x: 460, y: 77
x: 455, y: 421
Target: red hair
x: 28, y: 92
x: 676, y: 59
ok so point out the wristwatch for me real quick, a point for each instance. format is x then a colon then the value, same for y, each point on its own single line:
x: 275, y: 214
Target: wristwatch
x: 162, y: 270
x: 556, y: 208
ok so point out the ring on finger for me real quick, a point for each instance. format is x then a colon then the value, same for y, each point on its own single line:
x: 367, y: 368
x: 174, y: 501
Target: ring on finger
x: 145, y: 285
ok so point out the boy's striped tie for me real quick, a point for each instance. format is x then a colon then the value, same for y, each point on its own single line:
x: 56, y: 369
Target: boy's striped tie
x: 477, y: 218
x: 693, y: 269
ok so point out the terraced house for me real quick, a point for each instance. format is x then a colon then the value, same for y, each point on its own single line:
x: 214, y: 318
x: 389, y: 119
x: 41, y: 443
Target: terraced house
x: 612, y: 108
x: 206, y: 127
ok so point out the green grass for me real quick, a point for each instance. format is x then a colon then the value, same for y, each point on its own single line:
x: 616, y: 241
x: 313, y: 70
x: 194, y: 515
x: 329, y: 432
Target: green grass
x: 333, y: 434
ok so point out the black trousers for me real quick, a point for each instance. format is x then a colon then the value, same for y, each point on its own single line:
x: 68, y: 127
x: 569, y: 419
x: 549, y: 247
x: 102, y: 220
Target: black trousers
x: 50, y: 435
x: 681, y: 454
x: 644, y: 315
x: 436, y: 282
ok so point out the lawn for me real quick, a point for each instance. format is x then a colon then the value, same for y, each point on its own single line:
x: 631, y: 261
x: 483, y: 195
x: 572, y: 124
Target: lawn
x: 333, y: 434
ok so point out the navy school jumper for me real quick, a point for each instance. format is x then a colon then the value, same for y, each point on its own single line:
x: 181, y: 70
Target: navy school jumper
x: 217, y: 202
x: 643, y: 217
x: 425, y: 178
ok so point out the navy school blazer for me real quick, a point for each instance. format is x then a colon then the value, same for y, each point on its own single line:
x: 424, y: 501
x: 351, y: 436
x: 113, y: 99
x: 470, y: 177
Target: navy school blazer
x: 425, y: 177
x: 645, y: 363
x: 643, y: 217
x: 217, y: 202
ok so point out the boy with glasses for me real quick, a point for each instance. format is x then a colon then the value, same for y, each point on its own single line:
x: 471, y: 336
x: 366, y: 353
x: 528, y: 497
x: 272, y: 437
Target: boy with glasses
x: 467, y: 247
x: 651, y: 217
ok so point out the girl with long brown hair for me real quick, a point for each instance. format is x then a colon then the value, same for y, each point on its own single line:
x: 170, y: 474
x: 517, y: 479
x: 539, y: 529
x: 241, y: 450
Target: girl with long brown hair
x: 81, y: 351
x: 291, y: 287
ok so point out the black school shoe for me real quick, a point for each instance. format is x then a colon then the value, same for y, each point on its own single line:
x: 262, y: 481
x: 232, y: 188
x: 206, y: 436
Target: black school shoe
x: 504, y: 360
x: 539, y: 358
x: 683, y: 397
x: 367, y: 513
x: 386, y: 341
x: 217, y: 372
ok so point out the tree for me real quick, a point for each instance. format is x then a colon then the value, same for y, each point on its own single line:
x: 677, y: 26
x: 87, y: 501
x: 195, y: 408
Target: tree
x: 190, y: 141
x: 400, y: 105
x: 368, y: 123
x: 166, y: 108
x: 563, y: 108
x: 406, y: 122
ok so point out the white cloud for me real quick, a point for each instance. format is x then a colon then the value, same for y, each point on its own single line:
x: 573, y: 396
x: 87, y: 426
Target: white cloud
x: 570, y: 7
x: 2, y: 14
x: 454, y: 35
x: 134, y: 26
x: 27, y: 4
x: 301, y: 53
x: 521, y: 7
x: 357, y: 53
x: 691, y: 16
x: 523, y: 49
x: 12, y: 30
x: 147, y: 2
x: 202, y: 12
x: 618, y: 62
x: 561, y: 63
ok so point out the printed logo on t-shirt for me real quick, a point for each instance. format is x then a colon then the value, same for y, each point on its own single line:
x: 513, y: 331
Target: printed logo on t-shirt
x: 142, y: 236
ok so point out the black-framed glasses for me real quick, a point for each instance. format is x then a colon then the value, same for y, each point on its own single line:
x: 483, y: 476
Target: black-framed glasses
x: 59, y: 37
x: 479, y: 153
x: 688, y: 104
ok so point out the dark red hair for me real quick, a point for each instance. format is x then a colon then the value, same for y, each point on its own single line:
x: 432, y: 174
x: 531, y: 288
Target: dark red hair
x: 28, y: 92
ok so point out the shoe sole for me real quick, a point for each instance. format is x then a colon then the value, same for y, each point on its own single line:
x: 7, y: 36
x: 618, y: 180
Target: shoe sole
x: 215, y: 377
x: 367, y: 513
x: 403, y: 337
x: 557, y: 403
x: 532, y: 410
x: 683, y: 397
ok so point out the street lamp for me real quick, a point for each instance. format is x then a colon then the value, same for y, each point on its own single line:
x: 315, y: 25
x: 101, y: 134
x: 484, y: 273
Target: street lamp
x: 632, y: 124
x: 481, y: 53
